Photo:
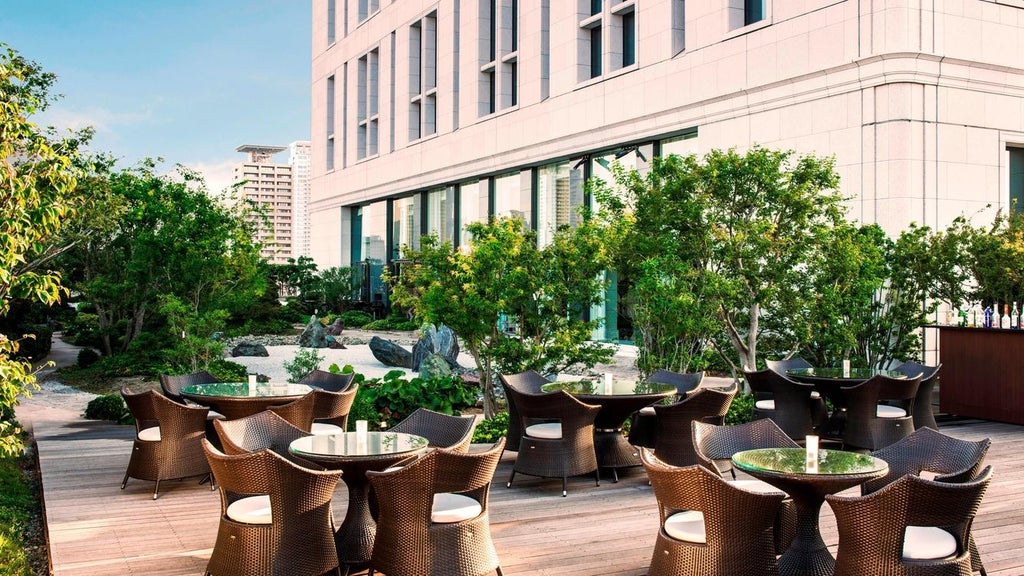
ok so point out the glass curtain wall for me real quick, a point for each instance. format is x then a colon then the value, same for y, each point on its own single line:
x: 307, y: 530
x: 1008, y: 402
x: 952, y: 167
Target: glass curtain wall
x: 405, y: 226
x: 372, y: 248
x: 510, y: 199
x: 441, y: 213
x: 559, y: 197
x: 472, y: 208
x: 680, y: 145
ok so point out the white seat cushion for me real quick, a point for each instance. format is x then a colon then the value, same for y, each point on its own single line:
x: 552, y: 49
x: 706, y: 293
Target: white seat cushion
x: 648, y: 411
x: 765, y: 404
x: 687, y: 526
x: 815, y: 395
x: 552, y: 430
x: 151, y: 434
x: 927, y: 543
x: 886, y: 411
x: 324, y: 429
x: 756, y: 486
x: 448, y: 508
x: 251, y: 510
x: 214, y: 415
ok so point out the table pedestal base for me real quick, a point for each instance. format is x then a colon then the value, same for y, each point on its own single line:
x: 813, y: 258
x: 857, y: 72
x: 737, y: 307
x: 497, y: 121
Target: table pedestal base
x: 613, y: 451
x: 807, y: 555
x: 354, y: 538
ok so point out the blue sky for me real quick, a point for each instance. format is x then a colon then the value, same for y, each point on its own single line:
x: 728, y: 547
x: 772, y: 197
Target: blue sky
x: 185, y: 80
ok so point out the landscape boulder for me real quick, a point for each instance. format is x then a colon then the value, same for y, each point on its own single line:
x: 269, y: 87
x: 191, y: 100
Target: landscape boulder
x: 390, y: 354
x: 436, y: 340
x: 313, y: 335
x: 335, y: 328
x: 433, y: 366
x: 249, y: 349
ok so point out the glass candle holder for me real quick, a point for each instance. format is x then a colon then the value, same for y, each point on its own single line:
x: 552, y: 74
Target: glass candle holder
x: 811, y: 443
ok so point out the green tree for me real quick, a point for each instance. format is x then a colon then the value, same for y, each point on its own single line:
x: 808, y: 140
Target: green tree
x: 37, y: 194
x: 513, y: 305
x: 148, y: 235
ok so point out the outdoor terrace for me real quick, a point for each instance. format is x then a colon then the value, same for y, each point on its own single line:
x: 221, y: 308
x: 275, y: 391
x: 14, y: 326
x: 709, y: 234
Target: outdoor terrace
x: 95, y: 528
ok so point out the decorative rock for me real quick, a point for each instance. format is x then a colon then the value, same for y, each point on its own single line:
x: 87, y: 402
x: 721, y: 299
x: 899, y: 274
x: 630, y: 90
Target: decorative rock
x: 335, y: 328
x: 249, y: 349
x: 333, y: 343
x: 433, y: 366
x: 390, y: 354
x: 313, y: 335
x: 441, y: 341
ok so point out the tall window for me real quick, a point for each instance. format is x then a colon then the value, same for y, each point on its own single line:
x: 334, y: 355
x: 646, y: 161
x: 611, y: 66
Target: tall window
x: 368, y: 8
x: 423, y: 77
x: 405, y: 227
x: 367, y: 113
x: 441, y: 213
x: 753, y: 11
x: 331, y: 21
x: 1016, y: 178
x: 682, y: 145
x: 472, y: 207
x: 607, y: 36
x: 510, y: 198
x: 499, y: 55
x: 329, y: 121
x: 559, y: 197
x: 678, y: 26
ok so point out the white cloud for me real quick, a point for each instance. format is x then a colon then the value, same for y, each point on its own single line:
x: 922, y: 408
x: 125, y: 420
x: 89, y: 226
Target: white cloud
x: 219, y: 174
x: 103, y: 120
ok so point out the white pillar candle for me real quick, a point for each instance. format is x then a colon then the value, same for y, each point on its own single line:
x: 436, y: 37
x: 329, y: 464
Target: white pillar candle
x: 607, y: 383
x: 811, y: 442
x: 252, y: 385
x: 846, y: 368
x: 361, y: 427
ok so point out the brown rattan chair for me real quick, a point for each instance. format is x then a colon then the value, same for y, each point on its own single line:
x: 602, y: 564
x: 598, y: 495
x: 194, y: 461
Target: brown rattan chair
x: 172, y: 385
x: 263, y: 430
x: 949, y: 459
x: 673, y: 442
x: 331, y: 381
x: 440, y: 430
x: 924, y: 416
x: 789, y: 404
x: 528, y: 382
x: 558, y: 436
x: 643, y: 424
x: 330, y: 410
x: 715, y: 446
x: 912, y: 526
x: 299, y: 412
x: 275, y: 516
x: 167, y: 441
x: 871, y: 424
x: 433, y: 515
x: 819, y: 410
x: 708, y: 526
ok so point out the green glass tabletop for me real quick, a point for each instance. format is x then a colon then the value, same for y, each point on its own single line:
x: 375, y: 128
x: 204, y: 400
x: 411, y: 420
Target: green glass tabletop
x: 794, y: 461
x: 618, y: 388
x: 357, y: 444
x: 243, y: 390
x: 840, y: 374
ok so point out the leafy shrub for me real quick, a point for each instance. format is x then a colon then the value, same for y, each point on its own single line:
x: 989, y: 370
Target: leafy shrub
x: 395, y: 397
x: 127, y: 364
x: 109, y: 407
x: 16, y: 501
x: 82, y: 330
x: 262, y: 326
x: 87, y: 357
x: 356, y: 319
x: 37, y: 344
x: 398, y: 323
x: 489, y: 431
x: 227, y: 371
x: 305, y: 361
x: 740, y: 409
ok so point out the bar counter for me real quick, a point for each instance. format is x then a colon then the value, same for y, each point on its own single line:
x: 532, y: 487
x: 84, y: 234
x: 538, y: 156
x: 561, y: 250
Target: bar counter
x: 982, y: 373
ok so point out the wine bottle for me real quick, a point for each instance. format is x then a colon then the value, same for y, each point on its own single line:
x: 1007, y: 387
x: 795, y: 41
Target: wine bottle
x: 987, y: 322
x: 1014, y: 317
x: 1004, y: 319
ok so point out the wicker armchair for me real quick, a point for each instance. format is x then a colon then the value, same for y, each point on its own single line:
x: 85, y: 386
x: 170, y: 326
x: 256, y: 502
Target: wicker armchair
x: 328, y: 380
x: 167, y: 441
x: 298, y: 412
x: 709, y: 526
x: 558, y: 437
x: 869, y: 423
x: 440, y: 430
x: 275, y: 516
x: 673, y: 443
x: 715, y: 446
x: 263, y: 430
x: 330, y: 410
x: 780, y: 366
x: 433, y: 515
x: 528, y: 382
x: 789, y: 404
x: 912, y: 526
x: 950, y: 459
x: 172, y: 385
x: 643, y: 425
x: 924, y: 416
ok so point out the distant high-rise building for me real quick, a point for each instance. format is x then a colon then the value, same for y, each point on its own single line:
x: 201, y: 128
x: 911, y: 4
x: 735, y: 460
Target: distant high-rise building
x: 299, y: 159
x: 268, y: 187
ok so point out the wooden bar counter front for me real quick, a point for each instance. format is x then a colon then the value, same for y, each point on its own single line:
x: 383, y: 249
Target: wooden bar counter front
x: 982, y: 373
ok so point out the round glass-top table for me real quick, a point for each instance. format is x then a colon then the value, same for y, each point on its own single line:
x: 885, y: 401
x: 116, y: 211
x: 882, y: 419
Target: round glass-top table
x: 355, y: 453
x: 618, y: 399
x: 786, y: 469
x: 239, y: 399
x: 839, y: 375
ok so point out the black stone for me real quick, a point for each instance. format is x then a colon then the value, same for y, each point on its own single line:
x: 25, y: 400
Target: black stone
x: 390, y: 354
x: 249, y: 349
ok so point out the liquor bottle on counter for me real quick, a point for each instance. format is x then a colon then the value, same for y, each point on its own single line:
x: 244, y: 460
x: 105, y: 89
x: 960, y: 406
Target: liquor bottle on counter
x: 1014, y: 318
x: 1004, y: 320
x: 962, y: 318
x: 987, y: 322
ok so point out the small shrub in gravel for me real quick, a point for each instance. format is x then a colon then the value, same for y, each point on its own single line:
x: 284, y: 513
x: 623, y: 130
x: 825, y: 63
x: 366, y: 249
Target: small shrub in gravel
x: 87, y: 357
x: 109, y: 407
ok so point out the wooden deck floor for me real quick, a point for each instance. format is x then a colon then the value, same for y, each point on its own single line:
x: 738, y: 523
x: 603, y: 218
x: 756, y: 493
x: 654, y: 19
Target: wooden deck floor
x: 97, y: 529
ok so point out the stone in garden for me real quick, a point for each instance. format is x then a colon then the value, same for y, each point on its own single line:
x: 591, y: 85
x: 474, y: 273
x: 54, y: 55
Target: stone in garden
x: 335, y: 328
x: 440, y: 341
x: 313, y: 334
x: 249, y: 349
x: 390, y: 354
x: 433, y: 366
x: 333, y: 343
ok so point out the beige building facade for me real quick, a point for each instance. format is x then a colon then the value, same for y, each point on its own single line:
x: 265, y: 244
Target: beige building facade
x: 268, y: 185
x: 427, y: 115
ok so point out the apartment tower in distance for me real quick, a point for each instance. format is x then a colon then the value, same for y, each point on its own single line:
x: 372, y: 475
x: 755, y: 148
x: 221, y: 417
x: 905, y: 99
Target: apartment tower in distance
x: 268, y: 186
x: 430, y: 114
x: 299, y: 159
